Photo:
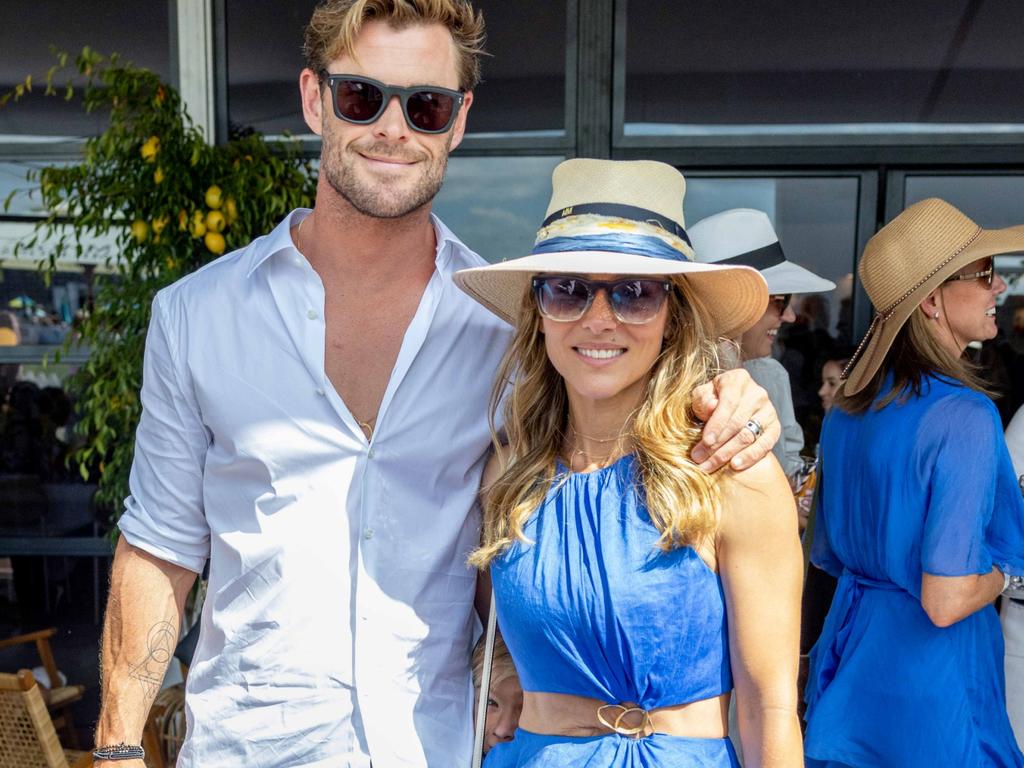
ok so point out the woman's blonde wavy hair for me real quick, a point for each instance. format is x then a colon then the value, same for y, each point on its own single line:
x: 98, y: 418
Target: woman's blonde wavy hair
x: 683, y: 502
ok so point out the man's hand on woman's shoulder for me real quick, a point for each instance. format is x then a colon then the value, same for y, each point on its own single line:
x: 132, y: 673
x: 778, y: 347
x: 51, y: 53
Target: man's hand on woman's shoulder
x: 726, y: 404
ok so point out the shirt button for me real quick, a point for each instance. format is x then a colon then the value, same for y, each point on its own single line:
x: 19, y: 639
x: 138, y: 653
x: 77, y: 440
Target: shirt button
x: 370, y: 453
x: 368, y: 534
x: 320, y: 391
x: 312, y: 314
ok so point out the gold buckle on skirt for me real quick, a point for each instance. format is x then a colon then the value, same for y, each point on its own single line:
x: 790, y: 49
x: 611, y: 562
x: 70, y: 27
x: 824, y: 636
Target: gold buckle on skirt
x: 645, y: 727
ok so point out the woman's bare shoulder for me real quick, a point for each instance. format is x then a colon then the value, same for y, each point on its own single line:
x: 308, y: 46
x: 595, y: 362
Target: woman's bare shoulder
x: 757, y: 499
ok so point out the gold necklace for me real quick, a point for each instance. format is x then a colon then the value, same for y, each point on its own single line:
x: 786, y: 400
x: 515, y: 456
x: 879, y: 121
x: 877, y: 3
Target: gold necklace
x: 367, y: 426
x: 604, y: 461
x: 298, y: 230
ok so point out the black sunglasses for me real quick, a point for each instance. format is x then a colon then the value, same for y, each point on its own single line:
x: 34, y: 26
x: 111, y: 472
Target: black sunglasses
x: 360, y: 100
x: 781, y: 301
x: 565, y: 298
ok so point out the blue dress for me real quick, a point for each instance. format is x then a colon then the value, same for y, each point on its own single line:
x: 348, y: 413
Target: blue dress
x: 592, y: 607
x: 922, y: 486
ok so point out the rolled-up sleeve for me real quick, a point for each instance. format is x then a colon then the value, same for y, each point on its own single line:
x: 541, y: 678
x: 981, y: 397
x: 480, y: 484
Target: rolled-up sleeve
x: 164, y: 514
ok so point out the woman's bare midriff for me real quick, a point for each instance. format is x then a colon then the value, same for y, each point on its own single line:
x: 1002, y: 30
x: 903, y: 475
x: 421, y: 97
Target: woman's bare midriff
x: 564, y: 715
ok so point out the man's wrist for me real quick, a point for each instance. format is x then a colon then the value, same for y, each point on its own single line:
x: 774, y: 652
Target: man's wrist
x: 118, y: 752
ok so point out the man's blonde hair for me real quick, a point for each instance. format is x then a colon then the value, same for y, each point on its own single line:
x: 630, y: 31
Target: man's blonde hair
x: 335, y: 24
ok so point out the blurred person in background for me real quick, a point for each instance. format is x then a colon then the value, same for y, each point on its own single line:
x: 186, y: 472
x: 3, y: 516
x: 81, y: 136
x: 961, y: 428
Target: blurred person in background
x: 743, y: 236
x: 920, y: 517
x: 1011, y: 611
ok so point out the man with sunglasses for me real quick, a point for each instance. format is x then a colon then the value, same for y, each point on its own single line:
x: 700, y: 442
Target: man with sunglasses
x: 314, y: 426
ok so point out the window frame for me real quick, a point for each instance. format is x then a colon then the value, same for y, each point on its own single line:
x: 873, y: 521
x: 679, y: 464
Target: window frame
x: 818, y: 144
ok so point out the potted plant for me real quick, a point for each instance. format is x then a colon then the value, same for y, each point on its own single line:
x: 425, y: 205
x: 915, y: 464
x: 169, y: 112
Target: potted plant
x: 173, y: 202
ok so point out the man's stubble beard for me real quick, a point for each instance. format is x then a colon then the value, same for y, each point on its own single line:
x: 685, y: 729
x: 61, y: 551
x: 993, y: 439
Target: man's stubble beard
x: 378, y: 199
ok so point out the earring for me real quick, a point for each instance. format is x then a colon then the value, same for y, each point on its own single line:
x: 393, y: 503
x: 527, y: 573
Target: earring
x: 935, y: 316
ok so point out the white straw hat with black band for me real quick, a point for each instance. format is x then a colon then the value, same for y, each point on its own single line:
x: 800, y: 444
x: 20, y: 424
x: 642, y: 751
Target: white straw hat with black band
x: 619, y: 218
x: 746, y: 236
x: 905, y: 261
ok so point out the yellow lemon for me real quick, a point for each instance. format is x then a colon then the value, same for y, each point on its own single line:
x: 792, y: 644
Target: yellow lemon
x: 230, y: 210
x: 213, y: 197
x: 150, y: 149
x: 158, y: 224
x: 182, y: 219
x: 215, y: 222
x: 214, y: 243
x: 140, y: 230
x: 158, y: 175
x: 198, y: 226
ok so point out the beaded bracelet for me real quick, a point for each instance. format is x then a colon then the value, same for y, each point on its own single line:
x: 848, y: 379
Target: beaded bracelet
x: 120, y: 751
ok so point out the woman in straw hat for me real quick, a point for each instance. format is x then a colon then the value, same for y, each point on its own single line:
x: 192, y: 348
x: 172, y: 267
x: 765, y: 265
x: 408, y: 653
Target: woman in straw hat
x: 920, y: 516
x: 615, y: 559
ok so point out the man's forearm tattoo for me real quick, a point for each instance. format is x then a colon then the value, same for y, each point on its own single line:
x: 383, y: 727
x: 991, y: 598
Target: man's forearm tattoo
x: 160, y: 647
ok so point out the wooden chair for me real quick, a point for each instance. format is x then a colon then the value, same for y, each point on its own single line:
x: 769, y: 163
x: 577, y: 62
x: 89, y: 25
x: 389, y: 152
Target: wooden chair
x: 58, y: 698
x: 27, y: 736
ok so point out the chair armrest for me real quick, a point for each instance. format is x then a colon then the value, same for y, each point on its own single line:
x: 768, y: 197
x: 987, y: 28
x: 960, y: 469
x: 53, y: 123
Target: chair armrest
x: 42, y: 640
x: 31, y: 637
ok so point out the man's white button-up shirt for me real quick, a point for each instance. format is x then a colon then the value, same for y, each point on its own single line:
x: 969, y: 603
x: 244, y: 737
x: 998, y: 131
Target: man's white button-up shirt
x: 339, y: 614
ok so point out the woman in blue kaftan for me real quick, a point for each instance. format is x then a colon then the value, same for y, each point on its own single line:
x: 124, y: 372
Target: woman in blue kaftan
x: 920, y: 518
x: 633, y: 589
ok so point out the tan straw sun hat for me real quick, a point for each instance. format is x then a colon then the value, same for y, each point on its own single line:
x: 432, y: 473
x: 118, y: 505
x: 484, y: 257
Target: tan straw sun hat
x: 620, y: 218
x: 905, y: 261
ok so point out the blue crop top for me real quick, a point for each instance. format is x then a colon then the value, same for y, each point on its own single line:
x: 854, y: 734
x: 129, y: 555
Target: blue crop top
x: 591, y: 606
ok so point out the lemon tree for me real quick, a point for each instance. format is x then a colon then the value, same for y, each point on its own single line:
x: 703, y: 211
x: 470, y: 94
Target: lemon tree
x: 174, y: 203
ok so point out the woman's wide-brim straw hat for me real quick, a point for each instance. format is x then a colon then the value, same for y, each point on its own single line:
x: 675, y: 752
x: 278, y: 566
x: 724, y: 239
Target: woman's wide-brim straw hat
x: 909, y: 258
x: 619, y: 217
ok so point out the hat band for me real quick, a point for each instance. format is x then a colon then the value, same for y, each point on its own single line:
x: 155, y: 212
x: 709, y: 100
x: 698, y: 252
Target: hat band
x: 762, y: 258
x: 638, y: 245
x: 620, y: 211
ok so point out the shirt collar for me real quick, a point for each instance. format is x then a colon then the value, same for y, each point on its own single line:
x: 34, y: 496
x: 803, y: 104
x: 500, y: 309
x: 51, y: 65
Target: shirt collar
x: 280, y: 239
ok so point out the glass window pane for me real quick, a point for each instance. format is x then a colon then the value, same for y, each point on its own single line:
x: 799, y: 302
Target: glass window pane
x: 13, y: 179
x: 524, y: 77
x: 140, y: 36
x: 264, y: 39
x: 816, y: 221
x: 496, y: 204
x: 992, y: 201
x: 762, y: 63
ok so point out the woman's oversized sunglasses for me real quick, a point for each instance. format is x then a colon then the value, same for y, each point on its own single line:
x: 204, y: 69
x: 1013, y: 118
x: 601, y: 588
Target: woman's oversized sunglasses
x: 634, y: 300
x: 360, y: 100
x: 985, y: 276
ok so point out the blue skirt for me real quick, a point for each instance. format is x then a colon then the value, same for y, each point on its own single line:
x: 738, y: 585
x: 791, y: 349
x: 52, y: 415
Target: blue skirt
x: 659, y: 750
